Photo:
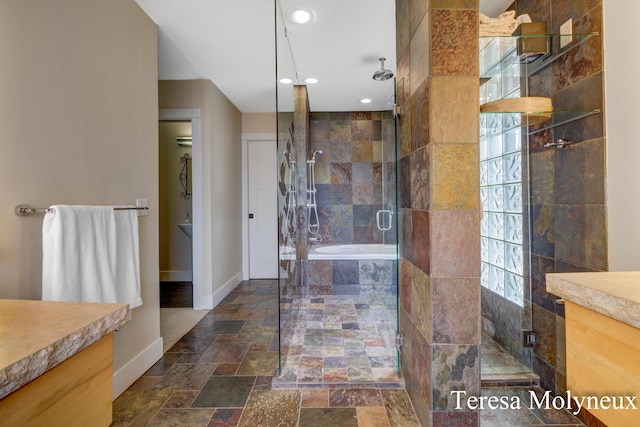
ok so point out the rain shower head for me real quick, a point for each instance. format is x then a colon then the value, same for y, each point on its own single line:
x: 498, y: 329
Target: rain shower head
x: 382, y: 74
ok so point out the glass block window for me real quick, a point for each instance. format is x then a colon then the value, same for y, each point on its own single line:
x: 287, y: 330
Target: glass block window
x: 501, y: 173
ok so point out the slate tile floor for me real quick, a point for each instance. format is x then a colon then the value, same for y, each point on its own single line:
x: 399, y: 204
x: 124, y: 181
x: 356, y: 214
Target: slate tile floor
x: 220, y: 373
x: 339, y: 340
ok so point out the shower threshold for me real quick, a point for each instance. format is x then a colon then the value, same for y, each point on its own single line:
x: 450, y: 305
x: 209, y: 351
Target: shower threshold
x: 499, y: 368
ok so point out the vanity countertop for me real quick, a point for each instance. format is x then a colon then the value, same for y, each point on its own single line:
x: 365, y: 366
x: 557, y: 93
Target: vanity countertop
x: 36, y: 336
x: 613, y: 294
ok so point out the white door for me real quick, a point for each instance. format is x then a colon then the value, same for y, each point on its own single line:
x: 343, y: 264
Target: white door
x: 263, y: 210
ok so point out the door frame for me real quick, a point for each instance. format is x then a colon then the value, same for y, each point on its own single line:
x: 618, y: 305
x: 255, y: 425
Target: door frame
x: 246, y: 138
x: 201, y: 216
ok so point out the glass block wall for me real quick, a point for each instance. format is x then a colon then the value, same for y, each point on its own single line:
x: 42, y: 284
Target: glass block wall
x: 501, y: 173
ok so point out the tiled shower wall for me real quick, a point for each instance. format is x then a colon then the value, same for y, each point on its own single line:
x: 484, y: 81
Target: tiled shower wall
x: 568, y: 218
x: 352, y: 277
x: 437, y: 87
x: 355, y: 177
x: 355, y: 169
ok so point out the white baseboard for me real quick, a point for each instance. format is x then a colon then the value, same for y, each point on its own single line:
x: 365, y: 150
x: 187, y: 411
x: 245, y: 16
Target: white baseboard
x: 226, y: 288
x: 129, y: 373
x: 208, y: 302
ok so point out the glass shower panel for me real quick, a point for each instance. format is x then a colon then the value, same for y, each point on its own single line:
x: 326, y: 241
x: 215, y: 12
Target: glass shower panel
x: 287, y: 172
x: 390, y: 236
x: 338, y: 282
x: 503, y: 187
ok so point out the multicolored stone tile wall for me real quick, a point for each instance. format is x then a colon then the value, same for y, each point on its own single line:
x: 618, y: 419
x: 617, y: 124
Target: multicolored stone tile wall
x: 355, y: 177
x: 567, y: 222
x: 352, y: 277
x: 355, y: 169
x: 437, y: 85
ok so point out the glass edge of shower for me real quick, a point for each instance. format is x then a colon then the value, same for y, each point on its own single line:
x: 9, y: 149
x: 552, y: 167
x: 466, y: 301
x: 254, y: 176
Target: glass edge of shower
x: 288, y: 254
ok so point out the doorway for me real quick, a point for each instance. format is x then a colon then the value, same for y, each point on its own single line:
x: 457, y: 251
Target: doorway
x: 175, y: 218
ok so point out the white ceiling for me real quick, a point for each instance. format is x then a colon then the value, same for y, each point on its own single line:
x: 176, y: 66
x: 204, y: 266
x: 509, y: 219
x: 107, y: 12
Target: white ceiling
x: 232, y: 43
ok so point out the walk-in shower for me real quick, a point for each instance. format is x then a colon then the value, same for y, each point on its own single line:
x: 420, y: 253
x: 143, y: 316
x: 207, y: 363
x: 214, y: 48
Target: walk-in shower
x: 338, y: 257
x: 338, y: 279
x: 507, y: 342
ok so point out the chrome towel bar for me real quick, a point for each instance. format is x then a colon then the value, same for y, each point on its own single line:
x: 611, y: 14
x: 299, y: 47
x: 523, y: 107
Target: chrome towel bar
x: 24, y: 210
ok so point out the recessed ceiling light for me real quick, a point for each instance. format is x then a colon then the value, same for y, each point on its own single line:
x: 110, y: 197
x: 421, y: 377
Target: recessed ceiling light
x: 301, y: 16
x: 365, y: 101
x: 311, y: 80
x: 286, y: 81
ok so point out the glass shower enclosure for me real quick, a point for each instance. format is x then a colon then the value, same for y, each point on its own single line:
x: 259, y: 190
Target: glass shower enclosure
x: 338, y: 257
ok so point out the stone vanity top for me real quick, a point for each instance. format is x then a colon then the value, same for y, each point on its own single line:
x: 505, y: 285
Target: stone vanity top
x: 613, y: 294
x: 36, y: 336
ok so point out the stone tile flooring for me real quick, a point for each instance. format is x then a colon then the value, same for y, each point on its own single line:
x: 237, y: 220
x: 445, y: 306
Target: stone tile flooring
x: 341, y: 340
x: 220, y: 374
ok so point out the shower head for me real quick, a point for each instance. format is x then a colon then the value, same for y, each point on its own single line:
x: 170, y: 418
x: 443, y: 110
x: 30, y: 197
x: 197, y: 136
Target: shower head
x: 382, y: 74
x: 313, y: 156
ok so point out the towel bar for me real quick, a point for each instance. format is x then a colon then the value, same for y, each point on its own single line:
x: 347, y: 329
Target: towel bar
x: 24, y: 210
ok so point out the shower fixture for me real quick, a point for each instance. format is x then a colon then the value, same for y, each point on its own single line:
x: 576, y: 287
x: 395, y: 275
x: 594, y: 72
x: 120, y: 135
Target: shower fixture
x: 312, y: 206
x: 313, y: 156
x: 382, y: 74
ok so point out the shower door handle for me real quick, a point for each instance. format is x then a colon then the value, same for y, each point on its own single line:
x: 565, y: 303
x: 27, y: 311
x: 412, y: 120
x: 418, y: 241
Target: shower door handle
x: 384, y: 225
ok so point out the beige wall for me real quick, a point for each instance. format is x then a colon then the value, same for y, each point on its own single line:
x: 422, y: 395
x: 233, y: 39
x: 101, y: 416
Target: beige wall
x: 78, y: 115
x: 226, y: 194
x: 259, y: 123
x: 221, y: 176
x: 622, y: 89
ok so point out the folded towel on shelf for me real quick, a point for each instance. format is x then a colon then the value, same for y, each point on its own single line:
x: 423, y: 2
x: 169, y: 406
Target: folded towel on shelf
x: 503, y: 25
x: 90, y: 254
x: 503, y: 17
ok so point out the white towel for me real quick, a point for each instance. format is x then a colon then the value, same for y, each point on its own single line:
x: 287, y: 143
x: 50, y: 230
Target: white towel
x: 90, y: 254
x: 127, y: 283
x: 503, y: 25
